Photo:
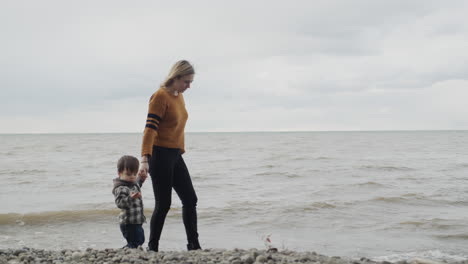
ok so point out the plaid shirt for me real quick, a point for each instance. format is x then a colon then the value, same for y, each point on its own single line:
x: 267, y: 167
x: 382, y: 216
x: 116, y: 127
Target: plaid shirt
x: 131, y: 209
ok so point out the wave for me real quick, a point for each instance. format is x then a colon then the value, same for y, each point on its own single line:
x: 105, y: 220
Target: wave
x: 106, y: 214
x: 263, y: 173
x: 386, y: 168
x: 418, y: 198
x: 271, y: 173
x: 25, y: 182
x: 54, y: 217
x: 60, y: 148
x: 267, y: 166
x: 279, y: 174
x: 22, y: 172
x: 413, y: 223
x: 369, y: 184
x: 322, y: 205
x: 298, y: 158
x: 323, y: 158
x: 316, y: 206
x: 461, y: 165
x: 408, y: 197
x: 293, y: 175
x: 463, y: 236
x: 73, y: 216
x: 393, y: 199
x: 434, y: 224
x: 460, y: 203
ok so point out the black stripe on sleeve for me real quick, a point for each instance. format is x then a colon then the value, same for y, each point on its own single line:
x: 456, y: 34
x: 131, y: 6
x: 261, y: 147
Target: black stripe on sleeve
x: 151, y: 126
x: 154, y: 117
x: 152, y: 121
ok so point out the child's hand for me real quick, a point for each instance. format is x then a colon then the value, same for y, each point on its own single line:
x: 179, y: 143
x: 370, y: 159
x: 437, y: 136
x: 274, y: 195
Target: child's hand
x: 135, y: 195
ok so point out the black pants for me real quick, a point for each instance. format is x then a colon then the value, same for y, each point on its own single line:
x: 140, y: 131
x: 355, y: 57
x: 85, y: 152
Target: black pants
x: 134, y: 234
x: 168, y: 170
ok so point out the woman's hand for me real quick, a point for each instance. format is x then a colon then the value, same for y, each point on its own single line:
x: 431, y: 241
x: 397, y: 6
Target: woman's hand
x: 144, y: 168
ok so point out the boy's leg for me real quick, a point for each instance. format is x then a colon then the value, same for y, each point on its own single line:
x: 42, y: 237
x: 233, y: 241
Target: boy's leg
x: 124, y: 230
x: 135, y: 235
x: 184, y: 188
x: 141, y: 235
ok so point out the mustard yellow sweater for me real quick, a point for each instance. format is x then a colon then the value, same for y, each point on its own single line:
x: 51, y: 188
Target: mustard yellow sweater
x: 165, y: 123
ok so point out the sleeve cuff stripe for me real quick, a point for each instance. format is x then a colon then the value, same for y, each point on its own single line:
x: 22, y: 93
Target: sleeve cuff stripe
x: 151, y: 126
x: 152, y: 121
x: 154, y: 117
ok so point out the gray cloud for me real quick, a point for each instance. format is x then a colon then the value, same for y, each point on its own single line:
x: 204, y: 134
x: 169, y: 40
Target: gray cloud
x: 310, y: 59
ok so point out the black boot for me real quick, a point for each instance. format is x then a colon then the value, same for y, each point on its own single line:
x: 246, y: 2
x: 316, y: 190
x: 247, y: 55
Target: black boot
x: 153, y: 247
x: 194, y: 245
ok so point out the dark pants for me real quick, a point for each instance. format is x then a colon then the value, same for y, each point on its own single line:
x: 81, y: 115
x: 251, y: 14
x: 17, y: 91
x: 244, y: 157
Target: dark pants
x: 168, y: 170
x: 134, y: 234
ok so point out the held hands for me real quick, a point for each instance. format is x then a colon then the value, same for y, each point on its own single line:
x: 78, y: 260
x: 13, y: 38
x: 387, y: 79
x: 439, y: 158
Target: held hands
x: 144, y: 168
x: 143, y: 176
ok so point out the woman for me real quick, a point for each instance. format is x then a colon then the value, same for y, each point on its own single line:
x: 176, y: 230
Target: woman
x: 162, y: 149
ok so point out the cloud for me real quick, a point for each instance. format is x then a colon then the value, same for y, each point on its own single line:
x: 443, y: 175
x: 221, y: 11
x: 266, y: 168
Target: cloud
x: 114, y: 116
x: 313, y: 65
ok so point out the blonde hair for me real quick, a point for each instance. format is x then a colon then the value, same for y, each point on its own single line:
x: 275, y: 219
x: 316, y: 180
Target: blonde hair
x: 180, y: 69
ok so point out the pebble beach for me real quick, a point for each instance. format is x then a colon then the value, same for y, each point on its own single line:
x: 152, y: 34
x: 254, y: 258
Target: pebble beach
x: 206, y: 256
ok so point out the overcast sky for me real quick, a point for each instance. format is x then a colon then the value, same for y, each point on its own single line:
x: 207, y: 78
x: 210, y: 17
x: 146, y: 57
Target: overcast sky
x: 91, y: 66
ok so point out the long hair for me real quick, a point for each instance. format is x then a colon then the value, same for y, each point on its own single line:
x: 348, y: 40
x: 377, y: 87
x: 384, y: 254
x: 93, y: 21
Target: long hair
x: 180, y: 69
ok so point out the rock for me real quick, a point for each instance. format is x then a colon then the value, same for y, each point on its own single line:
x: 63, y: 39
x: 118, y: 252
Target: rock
x: 272, y: 250
x: 77, y: 255
x: 424, y: 261
x: 19, y: 251
x: 213, y: 256
x: 248, y: 259
x: 261, y: 259
x: 170, y: 257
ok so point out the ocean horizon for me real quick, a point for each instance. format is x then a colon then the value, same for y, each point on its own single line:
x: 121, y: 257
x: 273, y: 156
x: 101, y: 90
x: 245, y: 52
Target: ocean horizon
x: 266, y: 131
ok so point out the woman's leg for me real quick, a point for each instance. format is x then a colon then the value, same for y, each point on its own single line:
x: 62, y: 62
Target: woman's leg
x: 161, y: 170
x: 184, y: 188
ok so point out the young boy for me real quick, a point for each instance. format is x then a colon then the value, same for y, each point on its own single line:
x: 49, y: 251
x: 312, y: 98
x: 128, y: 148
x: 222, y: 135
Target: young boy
x: 127, y: 194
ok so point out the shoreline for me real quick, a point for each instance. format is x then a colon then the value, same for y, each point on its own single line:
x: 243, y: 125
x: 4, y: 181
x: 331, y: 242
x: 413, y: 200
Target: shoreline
x: 206, y: 256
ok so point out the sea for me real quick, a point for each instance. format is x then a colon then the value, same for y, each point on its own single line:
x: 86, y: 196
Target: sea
x: 383, y: 195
